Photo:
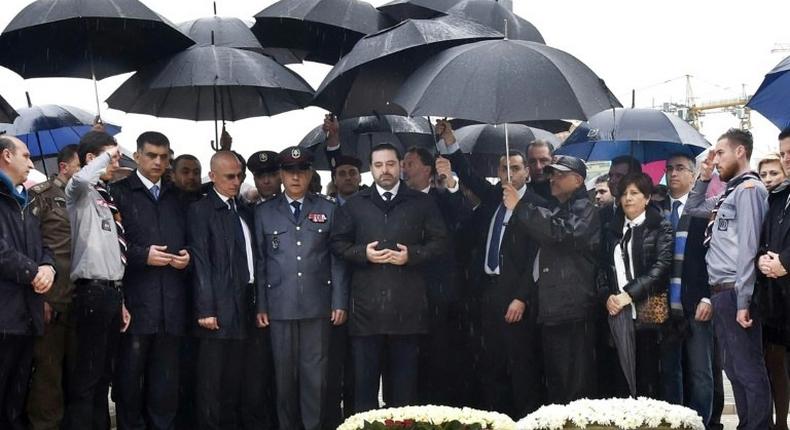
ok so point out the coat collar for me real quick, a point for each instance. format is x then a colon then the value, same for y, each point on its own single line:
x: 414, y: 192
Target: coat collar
x: 653, y: 219
x: 285, y: 208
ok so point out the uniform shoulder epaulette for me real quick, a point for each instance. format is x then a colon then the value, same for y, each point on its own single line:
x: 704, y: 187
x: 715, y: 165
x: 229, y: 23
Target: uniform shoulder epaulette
x: 327, y: 198
x: 40, y: 188
x: 749, y: 184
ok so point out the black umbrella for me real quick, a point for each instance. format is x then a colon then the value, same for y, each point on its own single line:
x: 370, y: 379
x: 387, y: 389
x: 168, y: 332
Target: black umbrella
x: 365, y: 80
x: 359, y: 135
x: 486, y: 143
x: 402, y: 10
x: 487, y: 12
x: 502, y: 81
x: 233, y: 33
x: 7, y: 113
x: 622, y: 328
x: 213, y: 83
x: 551, y: 125
x: 86, y: 39
x: 325, y: 29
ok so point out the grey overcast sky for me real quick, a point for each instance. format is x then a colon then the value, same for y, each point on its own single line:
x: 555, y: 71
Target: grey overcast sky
x: 644, y: 45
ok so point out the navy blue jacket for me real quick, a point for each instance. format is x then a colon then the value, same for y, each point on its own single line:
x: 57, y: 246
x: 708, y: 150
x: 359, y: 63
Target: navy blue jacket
x: 155, y: 296
x: 21, y: 252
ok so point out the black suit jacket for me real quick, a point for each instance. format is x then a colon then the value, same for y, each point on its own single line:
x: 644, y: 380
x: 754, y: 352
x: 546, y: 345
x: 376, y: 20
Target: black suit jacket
x: 516, y: 252
x: 695, y: 285
x: 155, y: 296
x: 388, y: 299
x: 220, y: 287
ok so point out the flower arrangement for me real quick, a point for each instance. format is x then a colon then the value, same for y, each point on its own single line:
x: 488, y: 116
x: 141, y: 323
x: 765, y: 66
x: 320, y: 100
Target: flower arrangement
x: 428, y: 418
x: 613, y: 414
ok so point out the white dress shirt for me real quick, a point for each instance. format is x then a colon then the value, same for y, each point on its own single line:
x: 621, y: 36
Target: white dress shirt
x: 290, y: 200
x: 148, y: 184
x: 619, y: 264
x: 247, y: 239
x: 393, y: 191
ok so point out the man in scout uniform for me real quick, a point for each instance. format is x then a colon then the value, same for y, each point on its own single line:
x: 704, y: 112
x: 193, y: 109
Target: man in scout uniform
x: 302, y: 289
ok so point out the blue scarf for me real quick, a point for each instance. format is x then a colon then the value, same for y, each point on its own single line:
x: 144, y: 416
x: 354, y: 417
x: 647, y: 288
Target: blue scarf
x: 676, y: 275
x: 20, y: 197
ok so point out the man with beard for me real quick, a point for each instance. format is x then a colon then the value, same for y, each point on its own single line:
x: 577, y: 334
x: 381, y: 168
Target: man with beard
x: 387, y: 233
x: 539, y: 155
x: 186, y: 177
x: 732, y: 237
x: 345, y: 168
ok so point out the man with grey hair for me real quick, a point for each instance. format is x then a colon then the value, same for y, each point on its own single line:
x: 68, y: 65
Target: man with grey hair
x: 26, y: 272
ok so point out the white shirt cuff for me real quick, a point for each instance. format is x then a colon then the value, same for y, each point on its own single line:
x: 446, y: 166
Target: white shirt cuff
x: 705, y: 300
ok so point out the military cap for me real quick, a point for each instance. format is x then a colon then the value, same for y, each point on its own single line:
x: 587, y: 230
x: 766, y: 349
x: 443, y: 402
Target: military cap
x: 344, y: 160
x: 566, y: 163
x: 263, y: 162
x: 294, y: 157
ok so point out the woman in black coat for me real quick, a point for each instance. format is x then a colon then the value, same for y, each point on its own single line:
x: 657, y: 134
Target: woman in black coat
x: 638, y: 247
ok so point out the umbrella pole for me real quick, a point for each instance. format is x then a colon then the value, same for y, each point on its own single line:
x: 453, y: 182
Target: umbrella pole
x: 41, y: 154
x: 215, y: 143
x: 507, y: 153
x: 95, y: 88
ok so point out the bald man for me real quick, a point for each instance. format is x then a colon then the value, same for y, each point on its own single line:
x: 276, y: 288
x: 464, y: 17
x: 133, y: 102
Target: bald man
x: 221, y: 239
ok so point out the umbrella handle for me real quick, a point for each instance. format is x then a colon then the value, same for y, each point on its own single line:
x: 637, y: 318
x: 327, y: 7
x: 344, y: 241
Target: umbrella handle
x: 442, y: 177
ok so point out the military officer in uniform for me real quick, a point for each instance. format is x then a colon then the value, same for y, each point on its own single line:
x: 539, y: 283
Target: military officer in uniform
x: 302, y: 290
x: 57, y: 349
x: 265, y: 168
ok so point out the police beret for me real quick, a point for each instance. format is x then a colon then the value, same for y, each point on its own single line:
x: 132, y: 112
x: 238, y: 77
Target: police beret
x: 263, y: 162
x: 295, y: 157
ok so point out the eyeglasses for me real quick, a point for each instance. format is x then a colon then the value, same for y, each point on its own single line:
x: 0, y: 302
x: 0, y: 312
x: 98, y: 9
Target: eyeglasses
x: 679, y: 169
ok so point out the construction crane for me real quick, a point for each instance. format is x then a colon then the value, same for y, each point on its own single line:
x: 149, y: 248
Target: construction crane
x: 693, y: 109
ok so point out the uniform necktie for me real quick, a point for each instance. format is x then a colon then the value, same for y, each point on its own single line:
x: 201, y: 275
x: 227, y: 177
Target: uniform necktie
x: 116, y: 216
x: 155, y: 192
x: 496, y: 236
x: 674, y: 216
x: 387, y: 196
x: 297, y: 209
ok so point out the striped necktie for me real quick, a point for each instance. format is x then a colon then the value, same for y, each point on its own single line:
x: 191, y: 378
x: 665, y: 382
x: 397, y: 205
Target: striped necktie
x: 101, y: 187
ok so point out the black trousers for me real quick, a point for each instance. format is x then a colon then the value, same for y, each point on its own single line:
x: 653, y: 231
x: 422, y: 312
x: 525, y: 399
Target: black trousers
x: 188, y: 351
x: 97, y: 313
x: 401, y: 353
x: 16, y: 360
x: 218, y: 386
x: 339, y: 400
x: 146, y: 384
x: 258, y: 394
x: 569, y: 360
x: 512, y: 367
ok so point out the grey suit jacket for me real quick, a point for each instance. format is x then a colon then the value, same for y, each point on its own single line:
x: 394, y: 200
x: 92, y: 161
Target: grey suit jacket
x: 297, y: 275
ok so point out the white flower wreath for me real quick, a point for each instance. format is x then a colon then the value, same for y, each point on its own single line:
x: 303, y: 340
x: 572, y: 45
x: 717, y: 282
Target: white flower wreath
x: 431, y: 414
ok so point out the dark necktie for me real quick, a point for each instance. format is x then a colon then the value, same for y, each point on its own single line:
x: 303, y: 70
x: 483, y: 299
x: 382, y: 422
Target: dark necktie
x: 297, y: 209
x: 387, y: 196
x: 116, y: 215
x: 625, y: 254
x: 674, y: 216
x: 496, y: 236
x: 241, y: 243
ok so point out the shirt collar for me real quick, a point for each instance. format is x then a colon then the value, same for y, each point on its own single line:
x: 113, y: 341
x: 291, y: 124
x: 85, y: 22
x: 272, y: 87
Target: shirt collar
x: 290, y: 200
x: 147, y: 183
x: 522, y: 191
x: 426, y: 190
x: 222, y: 197
x: 636, y: 222
x: 394, y: 190
x: 682, y: 199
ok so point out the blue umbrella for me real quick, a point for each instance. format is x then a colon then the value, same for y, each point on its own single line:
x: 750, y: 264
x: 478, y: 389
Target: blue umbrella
x: 645, y: 134
x: 772, y: 96
x: 46, y: 129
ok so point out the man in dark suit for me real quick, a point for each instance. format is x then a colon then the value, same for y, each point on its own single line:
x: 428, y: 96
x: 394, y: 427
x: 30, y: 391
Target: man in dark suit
x: 302, y: 289
x: 510, y: 370
x: 689, y: 293
x: 221, y: 241
x: 439, y: 383
x: 387, y: 232
x: 154, y: 290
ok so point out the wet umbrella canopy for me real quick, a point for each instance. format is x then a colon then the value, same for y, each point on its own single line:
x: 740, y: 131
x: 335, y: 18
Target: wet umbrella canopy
x: 68, y: 38
x: 772, y: 96
x: 213, y: 83
x: 367, y: 78
x: 359, y: 135
x: 486, y: 12
x: 233, y: 33
x: 646, y: 134
x: 486, y: 143
x: 46, y: 129
x: 499, y: 81
x: 325, y: 29
x: 7, y: 113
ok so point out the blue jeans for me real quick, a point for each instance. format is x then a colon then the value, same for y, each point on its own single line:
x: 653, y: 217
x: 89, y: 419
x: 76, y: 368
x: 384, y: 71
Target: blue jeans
x: 687, y: 378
